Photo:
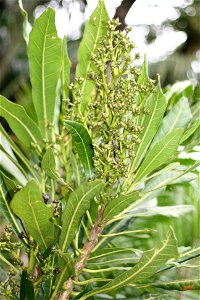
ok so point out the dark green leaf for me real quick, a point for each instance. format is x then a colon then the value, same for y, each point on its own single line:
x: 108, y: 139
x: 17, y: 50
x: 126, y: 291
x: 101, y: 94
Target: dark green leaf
x: 29, y: 206
x: 26, y: 287
x: 20, y: 123
x: 83, y: 143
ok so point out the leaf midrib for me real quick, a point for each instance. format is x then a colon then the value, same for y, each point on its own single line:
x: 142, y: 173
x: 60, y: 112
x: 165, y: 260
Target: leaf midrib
x: 144, y: 136
x: 35, y: 219
x: 43, y: 76
x: 23, y: 125
x: 85, y: 150
x: 134, y: 274
x: 89, y: 62
x: 162, y: 149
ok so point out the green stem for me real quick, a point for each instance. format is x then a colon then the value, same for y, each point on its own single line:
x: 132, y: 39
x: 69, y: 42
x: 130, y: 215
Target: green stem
x: 31, y: 260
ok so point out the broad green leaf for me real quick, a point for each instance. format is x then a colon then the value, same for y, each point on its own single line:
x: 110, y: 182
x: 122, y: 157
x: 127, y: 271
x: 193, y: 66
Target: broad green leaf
x: 5, y: 199
x: 188, y: 255
x: 29, y: 206
x: 66, y: 268
x: 26, y: 25
x: 159, y: 154
x: 150, y: 262
x: 20, y: 123
x: 95, y: 30
x: 168, y: 211
x: 49, y: 164
x: 45, y: 57
x: 114, y: 256
x: 78, y: 203
x: 65, y: 70
x: 192, y: 128
x: 83, y: 144
x: 179, y: 284
x: 156, y: 104
x: 178, y: 117
x: 26, y: 287
x: 118, y: 204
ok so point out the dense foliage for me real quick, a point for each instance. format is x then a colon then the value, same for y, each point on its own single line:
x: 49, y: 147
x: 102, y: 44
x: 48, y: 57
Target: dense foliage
x: 94, y: 159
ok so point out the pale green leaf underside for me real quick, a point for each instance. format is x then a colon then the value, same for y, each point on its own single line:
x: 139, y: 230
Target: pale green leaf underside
x: 20, y: 123
x: 159, y: 154
x: 78, y: 203
x: 49, y: 164
x: 29, y: 206
x: 168, y: 211
x: 190, y: 130
x: 114, y: 256
x: 117, y: 205
x: 44, y: 52
x: 150, y: 262
x: 95, y: 29
x: 83, y: 144
x: 178, y: 117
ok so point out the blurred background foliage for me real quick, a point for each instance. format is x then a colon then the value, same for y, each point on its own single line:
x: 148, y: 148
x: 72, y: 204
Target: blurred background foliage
x: 169, y: 32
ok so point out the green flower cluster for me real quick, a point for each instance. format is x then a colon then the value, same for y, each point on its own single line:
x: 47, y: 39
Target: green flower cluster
x: 112, y: 116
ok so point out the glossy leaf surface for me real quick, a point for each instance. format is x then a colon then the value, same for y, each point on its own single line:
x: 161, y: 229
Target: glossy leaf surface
x: 83, y: 144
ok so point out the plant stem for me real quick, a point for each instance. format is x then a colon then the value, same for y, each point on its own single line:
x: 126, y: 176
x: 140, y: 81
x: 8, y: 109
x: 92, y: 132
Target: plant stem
x: 86, y: 251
